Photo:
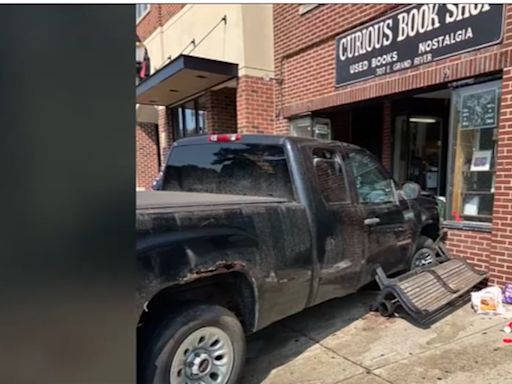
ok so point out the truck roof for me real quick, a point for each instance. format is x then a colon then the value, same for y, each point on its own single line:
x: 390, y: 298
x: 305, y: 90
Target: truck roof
x: 250, y: 139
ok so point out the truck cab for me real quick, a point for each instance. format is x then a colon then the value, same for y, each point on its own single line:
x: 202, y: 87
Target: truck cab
x: 263, y: 227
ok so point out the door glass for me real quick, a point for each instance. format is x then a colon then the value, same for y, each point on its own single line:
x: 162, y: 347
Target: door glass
x: 372, y: 183
x: 190, y: 118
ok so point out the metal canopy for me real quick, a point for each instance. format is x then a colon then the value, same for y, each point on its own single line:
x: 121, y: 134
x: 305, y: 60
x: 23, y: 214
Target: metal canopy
x: 182, y: 78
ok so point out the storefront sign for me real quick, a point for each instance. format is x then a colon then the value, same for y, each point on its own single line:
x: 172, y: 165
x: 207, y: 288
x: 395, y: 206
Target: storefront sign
x: 416, y: 35
x: 479, y: 109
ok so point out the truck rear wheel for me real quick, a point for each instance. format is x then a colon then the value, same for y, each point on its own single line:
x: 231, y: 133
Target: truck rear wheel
x: 201, y: 344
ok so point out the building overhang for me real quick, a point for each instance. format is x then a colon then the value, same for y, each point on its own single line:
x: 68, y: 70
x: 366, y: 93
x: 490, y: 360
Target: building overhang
x: 183, y: 78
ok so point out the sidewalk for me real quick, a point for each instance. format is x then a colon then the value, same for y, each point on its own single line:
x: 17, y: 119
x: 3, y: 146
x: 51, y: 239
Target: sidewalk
x: 341, y: 342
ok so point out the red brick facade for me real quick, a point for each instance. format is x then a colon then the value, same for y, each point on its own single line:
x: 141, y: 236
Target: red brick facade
x: 255, y: 105
x: 304, y: 47
x: 473, y: 246
x: 146, y: 154
x: 387, y: 136
x: 221, y: 110
x: 500, y: 259
x: 157, y: 16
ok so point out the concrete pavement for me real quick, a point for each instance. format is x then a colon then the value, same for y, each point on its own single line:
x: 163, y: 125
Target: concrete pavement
x: 341, y: 342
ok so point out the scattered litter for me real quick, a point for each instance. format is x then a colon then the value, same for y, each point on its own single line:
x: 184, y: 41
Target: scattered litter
x: 488, y: 301
x: 508, y: 328
x: 507, y: 340
x: 507, y: 294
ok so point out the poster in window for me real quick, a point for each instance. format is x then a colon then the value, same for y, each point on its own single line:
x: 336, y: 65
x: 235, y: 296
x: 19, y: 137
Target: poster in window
x: 481, y: 161
x: 479, y: 109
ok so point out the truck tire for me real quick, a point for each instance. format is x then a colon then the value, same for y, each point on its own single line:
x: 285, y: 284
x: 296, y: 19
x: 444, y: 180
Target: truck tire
x: 424, y: 253
x: 199, y: 343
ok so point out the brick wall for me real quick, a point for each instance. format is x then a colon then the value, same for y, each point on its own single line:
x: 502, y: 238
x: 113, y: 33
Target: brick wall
x: 146, y: 154
x: 307, y: 68
x: 387, y: 136
x: 221, y: 111
x: 473, y: 246
x: 501, y: 240
x: 157, y: 16
x: 164, y: 132
x: 304, y: 64
x: 255, y: 105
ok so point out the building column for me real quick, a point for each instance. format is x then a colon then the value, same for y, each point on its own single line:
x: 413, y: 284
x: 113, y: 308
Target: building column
x: 164, y: 132
x: 387, y: 136
x: 500, y: 260
x: 221, y: 110
x: 146, y: 154
x: 255, y: 105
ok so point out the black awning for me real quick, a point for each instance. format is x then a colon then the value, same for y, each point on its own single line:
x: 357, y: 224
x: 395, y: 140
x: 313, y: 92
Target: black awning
x: 182, y: 78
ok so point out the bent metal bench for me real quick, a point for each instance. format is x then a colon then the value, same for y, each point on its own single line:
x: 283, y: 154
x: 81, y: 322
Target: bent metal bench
x: 425, y: 293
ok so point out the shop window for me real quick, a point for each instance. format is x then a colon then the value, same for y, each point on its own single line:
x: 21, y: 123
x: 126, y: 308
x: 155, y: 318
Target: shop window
x: 330, y: 177
x: 373, y: 185
x: 475, y: 122
x: 140, y: 11
x: 189, y: 119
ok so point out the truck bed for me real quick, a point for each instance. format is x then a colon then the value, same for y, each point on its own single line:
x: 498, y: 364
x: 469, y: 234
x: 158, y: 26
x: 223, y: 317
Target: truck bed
x: 181, y: 200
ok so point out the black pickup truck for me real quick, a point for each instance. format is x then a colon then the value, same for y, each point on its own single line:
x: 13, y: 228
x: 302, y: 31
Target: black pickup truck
x: 246, y: 230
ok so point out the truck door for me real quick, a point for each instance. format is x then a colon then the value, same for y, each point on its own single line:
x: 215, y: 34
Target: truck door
x: 388, y: 232
x: 338, y: 226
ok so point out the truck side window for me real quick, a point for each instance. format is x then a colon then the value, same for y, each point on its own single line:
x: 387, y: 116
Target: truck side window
x: 329, y: 173
x: 373, y: 185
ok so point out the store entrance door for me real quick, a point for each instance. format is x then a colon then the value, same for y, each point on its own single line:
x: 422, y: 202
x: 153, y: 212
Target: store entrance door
x: 418, y: 151
x: 420, y: 141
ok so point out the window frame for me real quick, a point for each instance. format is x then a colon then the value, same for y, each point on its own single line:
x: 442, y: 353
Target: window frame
x: 457, y: 93
x: 338, y: 157
x: 179, y: 132
x: 143, y: 14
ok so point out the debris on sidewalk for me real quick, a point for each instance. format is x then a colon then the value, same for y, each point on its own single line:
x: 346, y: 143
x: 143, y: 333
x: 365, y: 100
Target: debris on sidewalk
x: 508, y: 328
x: 488, y: 301
x: 507, y: 294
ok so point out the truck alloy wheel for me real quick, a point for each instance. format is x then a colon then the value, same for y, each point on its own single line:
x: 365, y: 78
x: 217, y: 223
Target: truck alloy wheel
x: 205, y: 356
x: 195, y: 344
x: 423, y: 257
x: 425, y: 253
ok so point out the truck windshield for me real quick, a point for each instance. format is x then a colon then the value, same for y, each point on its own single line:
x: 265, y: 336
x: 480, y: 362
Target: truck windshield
x: 229, y: 168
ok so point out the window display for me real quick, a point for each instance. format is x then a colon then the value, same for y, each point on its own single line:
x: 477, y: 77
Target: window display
x: 473, y: 161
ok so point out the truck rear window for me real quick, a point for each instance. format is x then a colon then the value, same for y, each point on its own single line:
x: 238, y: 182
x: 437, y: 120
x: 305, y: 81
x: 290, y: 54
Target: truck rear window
x: 229, y: 168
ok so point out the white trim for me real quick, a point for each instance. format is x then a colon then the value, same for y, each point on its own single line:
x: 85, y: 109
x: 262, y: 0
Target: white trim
x: 138, y: 19
x: 305, y: 8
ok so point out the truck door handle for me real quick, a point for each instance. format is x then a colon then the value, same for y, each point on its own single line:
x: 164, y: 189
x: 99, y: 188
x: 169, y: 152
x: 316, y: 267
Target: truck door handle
x: 371, y: 221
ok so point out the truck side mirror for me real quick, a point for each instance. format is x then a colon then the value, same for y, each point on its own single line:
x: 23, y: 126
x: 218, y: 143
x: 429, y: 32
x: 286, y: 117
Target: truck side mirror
x: 411, y: 190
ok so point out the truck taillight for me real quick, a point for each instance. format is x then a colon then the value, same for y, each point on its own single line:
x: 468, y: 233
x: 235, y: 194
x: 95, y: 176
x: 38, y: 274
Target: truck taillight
x: 225, y: 137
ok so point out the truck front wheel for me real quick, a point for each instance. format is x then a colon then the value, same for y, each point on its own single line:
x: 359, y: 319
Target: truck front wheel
x: 199, y: 344
x: 424, y: 254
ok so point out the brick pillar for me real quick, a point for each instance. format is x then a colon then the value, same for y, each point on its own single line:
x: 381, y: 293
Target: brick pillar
x: 501, y: 239
x: 255, y: 105
x: 387, y: 135
x: 146, y: 154
x: 221, y: 111
x: 164, y: 132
